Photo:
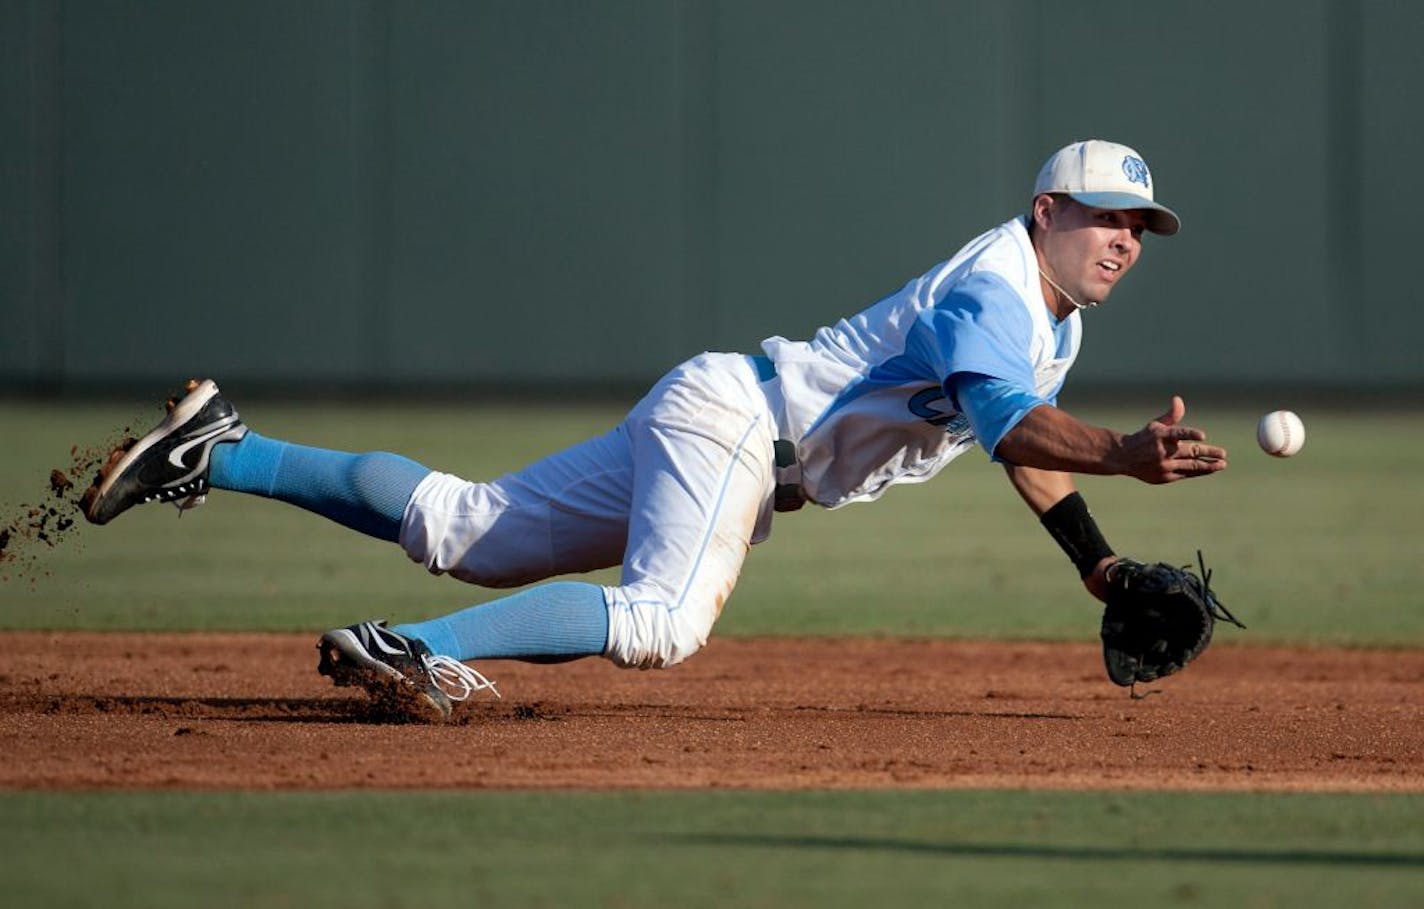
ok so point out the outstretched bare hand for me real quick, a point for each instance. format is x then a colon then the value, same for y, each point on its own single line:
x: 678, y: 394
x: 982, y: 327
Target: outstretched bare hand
x: 1165, y: 451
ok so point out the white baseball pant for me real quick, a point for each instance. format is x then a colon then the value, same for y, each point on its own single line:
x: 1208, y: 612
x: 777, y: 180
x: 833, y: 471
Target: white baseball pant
x: 677, y: 492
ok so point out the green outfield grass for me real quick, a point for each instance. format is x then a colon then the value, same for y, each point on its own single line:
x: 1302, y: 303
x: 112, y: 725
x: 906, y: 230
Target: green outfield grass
x: 1324, y: 547
x: 710, y: 849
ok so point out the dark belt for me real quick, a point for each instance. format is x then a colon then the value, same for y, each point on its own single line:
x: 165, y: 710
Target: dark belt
x: 789, y: 495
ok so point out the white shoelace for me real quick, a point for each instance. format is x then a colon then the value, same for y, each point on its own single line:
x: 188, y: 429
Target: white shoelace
x: 457, y: 680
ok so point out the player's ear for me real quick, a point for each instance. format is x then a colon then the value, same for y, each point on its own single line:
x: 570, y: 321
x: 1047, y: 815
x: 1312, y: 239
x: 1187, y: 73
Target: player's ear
x: 1043, y: 210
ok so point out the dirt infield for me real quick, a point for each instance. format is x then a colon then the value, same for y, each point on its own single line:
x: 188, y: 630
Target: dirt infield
x: 248, y: 711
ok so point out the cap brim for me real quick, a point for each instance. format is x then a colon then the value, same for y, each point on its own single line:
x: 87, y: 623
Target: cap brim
x: 1160, y: 219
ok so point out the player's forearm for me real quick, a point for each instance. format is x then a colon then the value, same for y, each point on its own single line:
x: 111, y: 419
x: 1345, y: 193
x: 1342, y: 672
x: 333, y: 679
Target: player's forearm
x: 1064, y: 514
x: 1053, y: 440
x: 1040, y: 489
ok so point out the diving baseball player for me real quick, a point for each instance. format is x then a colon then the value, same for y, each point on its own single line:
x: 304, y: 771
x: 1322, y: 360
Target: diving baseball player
x: 974, y: 351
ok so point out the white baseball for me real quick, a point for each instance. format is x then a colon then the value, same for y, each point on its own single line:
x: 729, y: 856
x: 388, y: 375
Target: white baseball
x: 1281, y: 433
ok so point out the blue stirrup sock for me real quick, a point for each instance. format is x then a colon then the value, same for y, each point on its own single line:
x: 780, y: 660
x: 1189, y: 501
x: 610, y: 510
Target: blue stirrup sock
x: 366, y: 492
x: 553, y: 622
x: 369, y: 493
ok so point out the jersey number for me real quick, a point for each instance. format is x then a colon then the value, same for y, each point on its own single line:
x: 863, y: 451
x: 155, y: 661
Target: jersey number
x: 921, y: 406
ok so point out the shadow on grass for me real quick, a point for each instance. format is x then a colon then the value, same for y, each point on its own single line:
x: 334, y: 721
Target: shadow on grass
x: 1071, y: 853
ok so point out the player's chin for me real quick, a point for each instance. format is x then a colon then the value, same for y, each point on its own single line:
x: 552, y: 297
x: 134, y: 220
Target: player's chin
x: 1099, y: 291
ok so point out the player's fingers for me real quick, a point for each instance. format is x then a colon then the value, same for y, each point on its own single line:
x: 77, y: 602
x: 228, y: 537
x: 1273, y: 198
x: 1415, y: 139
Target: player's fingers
x: 1181, y: 434
x: 1175, y: 411
x: 1197, y: 448
x: 1194, y: 460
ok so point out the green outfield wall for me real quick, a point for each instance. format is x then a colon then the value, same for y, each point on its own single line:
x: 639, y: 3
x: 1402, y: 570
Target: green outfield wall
x: 537, y: 194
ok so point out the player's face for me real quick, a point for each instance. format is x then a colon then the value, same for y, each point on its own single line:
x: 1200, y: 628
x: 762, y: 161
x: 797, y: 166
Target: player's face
x: 1088, y: 250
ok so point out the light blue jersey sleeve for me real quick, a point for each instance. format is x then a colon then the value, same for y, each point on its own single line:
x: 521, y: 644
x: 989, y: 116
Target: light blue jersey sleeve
x: 976, y: 341
x: 992, y: 405
x: 980, y: 326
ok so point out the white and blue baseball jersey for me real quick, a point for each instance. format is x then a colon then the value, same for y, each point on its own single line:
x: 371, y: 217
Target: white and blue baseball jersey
x: 865, y: 400
x: 686, y: 483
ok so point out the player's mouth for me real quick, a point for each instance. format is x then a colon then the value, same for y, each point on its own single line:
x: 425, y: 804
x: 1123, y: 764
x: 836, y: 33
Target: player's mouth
x: 1109, y: 269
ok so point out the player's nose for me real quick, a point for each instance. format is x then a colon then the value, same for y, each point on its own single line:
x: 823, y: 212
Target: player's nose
x: 1124, y: 243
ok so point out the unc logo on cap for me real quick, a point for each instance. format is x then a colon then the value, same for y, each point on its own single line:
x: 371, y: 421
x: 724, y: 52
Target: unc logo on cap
x: 1136, y: 170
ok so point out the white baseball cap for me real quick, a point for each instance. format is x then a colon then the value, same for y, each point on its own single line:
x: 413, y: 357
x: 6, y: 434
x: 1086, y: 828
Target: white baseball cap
x: 1106, y: 175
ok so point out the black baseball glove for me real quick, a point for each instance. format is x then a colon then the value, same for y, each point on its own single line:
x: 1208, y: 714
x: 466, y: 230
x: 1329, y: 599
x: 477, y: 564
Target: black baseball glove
x: 1158, y: 619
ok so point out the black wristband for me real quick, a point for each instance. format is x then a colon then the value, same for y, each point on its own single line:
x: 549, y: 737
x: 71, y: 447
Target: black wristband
x: 1073, y: 527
